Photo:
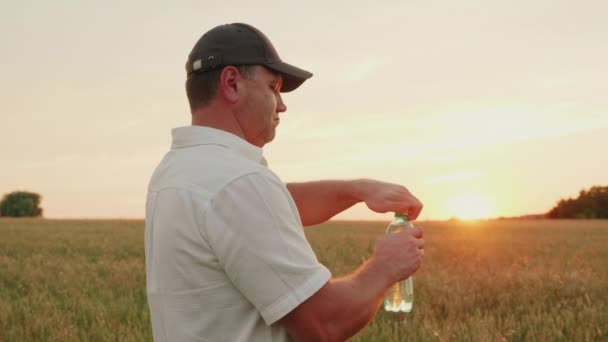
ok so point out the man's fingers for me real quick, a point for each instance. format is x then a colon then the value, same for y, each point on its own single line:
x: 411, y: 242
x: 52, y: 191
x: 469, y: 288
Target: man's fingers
x: 416, y: 231
x: 420, y: 243
x: 411, y: 209
x: 414, y: 210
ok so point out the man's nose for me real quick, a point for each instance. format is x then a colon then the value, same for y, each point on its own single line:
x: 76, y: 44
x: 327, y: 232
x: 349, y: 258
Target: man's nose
x: 281, y: 107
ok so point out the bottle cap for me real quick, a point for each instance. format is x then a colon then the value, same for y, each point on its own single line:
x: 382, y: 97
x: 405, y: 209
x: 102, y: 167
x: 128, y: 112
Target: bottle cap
x: 403, y: 215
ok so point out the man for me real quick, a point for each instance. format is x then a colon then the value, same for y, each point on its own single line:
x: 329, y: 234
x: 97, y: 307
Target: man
x: 226, y: 255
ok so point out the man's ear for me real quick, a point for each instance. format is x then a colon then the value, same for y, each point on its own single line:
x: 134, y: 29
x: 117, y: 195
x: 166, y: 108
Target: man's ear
x: 228, y: 86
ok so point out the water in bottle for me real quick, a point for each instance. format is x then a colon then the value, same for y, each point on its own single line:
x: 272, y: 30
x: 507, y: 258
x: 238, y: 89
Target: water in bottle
x: 400, y: 297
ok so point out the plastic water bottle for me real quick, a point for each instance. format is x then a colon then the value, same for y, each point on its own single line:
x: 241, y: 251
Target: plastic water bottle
x: 400, y: 297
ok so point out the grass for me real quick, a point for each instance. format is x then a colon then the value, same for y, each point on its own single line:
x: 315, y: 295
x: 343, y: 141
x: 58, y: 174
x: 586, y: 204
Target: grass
x: 484, y: 281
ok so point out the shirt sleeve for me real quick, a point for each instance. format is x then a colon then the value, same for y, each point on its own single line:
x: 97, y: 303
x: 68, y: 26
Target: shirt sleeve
x: 255, y: 231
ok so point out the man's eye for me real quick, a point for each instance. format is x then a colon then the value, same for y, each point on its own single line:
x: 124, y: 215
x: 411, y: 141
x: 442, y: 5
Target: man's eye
x: 276, y: 87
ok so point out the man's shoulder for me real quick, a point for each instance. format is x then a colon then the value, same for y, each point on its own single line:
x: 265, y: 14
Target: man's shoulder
x: 209, y: 170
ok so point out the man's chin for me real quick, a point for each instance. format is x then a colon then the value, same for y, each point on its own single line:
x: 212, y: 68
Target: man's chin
x: 271, y: 137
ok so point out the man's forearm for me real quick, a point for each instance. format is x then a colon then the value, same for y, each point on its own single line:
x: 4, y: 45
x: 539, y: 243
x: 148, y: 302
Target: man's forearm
x: 361, y: 294
x: 319, y: 201
x: 342, y: 307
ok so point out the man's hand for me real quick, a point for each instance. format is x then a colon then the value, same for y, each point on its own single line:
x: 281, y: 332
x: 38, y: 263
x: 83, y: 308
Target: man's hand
x: 384, y: 197
x: 344, y: 306
x: 399, y: 255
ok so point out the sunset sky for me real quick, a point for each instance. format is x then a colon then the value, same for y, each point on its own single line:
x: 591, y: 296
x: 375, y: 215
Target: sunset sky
x: 480, y: 108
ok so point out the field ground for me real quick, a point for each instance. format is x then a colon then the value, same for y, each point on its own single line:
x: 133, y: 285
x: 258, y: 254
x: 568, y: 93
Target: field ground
x: 485, y: 281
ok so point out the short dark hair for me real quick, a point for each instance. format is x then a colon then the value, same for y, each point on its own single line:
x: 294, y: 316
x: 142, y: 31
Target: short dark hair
x: 201, y: 87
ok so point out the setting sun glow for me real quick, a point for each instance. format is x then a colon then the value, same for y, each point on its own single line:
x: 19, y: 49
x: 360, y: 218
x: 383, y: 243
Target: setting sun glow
x: 469, y: 207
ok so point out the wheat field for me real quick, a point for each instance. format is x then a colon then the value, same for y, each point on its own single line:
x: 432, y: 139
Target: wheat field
x: 509, y: 280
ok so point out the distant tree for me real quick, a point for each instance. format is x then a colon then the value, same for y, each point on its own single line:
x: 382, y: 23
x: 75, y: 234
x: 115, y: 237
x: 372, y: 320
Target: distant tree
x: 589, y: 204
x: 21, y: 204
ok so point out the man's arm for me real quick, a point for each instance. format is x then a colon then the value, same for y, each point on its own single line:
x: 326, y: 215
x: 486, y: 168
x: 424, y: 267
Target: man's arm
x: 319, y: 201
x: 344, y: 306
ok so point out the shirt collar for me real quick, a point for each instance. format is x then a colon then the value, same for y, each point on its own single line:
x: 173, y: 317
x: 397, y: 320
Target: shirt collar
x: 188, y: 136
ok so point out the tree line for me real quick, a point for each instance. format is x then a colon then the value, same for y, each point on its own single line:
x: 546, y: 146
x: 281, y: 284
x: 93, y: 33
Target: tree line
x: 21, y: 204
x: 590, y: 204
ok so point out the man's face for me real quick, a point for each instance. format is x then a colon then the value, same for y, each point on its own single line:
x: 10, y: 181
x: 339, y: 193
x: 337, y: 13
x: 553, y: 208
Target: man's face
x: 259, y: 111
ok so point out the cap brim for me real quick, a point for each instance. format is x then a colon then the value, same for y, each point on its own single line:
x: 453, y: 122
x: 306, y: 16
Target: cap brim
x: 293, y: 76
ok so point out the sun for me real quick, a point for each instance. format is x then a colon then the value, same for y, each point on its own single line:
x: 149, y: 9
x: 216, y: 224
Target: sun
x: 469, y: 207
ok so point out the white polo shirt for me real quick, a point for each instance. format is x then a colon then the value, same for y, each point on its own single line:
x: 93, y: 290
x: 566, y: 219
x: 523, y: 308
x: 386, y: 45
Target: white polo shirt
x: 226, y: 255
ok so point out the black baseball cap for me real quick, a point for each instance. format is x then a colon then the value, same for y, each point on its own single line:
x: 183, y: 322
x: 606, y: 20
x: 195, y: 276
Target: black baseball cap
x: 241, y: 44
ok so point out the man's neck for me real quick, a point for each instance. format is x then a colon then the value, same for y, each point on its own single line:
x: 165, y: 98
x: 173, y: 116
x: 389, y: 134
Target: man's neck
x: 218, y: 118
